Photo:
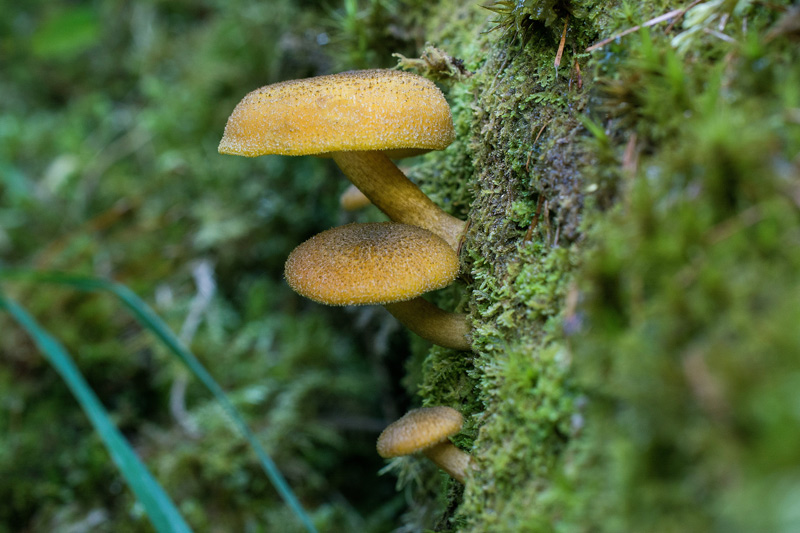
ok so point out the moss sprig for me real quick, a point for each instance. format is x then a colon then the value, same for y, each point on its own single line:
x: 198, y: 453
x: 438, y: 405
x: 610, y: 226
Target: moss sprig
x: 521, y: 18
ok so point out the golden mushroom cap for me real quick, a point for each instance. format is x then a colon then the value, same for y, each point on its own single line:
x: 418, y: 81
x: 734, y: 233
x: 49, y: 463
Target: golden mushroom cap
x: 419, y: 429
x: 373, y: 263
x: 359, y: 110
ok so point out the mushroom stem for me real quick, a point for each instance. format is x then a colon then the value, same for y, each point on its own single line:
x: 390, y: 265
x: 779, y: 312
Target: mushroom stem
x: 394, y: 194
x: 450, y: 459
x: 442, y: 328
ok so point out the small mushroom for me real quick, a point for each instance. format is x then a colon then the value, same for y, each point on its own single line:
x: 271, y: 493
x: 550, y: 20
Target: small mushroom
x: 427, y: 430
x: 361, y: 119
x: 352, y: 199
x: 384, y: 263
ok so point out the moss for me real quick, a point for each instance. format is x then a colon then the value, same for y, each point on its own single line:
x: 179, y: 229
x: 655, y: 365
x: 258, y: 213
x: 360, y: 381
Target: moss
x: 514, y: 172
x: 630, y: 270
x: 521, y: 19
x: 686, y: 290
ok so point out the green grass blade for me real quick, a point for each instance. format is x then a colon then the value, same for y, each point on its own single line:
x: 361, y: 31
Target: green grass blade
x: 150, y: 320
x: 157, y: 504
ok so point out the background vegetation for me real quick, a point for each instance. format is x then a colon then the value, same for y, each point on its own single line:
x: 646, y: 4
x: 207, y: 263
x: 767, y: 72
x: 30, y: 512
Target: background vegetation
x: 631, y: 267
x: 110, y: 116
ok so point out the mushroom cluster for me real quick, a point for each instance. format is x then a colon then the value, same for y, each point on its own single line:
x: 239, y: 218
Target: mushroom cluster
x: 363, y: 120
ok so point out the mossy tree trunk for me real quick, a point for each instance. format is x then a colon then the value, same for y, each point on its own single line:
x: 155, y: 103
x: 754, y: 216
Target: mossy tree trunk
x: 631, y: 263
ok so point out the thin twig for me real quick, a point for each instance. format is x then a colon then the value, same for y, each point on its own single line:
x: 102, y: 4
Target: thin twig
x: 558, y: 233
x: 723, y: 21
x: 499, y: 71
x: 528, y: 161
x: 203, y: 274
x: 578, y: 72
x: 547, y: 219
x: 704, y: 385
x: 101, y: 222
x: 557, y: 62
x: 745, y: 219
x: 535, y: 221
x: 651, y: 22
x: 720, y: 35
x: 683, y: 12
x: 630, y: 159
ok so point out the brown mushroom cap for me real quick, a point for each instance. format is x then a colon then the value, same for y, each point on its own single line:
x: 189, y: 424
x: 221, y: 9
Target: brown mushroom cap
x: 419, y: 429
x: 374, y: 263
x: 359, y: 110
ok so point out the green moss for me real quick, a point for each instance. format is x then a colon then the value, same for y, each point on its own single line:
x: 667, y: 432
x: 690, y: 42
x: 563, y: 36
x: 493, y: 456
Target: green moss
x: 513, y: 157
x: 521, y: 19
x: 630, y: 266
x: 687, y: 289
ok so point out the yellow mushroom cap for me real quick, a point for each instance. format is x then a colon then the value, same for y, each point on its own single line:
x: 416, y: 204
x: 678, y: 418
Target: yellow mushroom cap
x: 359, y: 110
x: 419, y: 429
x: 374, y: 263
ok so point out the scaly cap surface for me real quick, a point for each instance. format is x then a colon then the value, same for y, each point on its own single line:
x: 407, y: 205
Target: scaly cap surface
x: 359, y: 110
x: 374, y: 263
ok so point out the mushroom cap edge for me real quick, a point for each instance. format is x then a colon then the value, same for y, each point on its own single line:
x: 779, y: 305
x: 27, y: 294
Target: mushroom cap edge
x: 376, y: 109
x: 419, y: 429
x: 371, y: 264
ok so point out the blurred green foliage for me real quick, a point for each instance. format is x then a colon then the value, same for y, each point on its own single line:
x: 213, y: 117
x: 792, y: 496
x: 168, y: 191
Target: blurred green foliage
x: 690, y: 346
x: 110, y: 115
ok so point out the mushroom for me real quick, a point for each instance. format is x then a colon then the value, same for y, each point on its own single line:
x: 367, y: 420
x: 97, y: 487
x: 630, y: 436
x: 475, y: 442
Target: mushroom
x: 352, y: 199
x: 385, y: 263
x: 427, y: 430
x: 360, y: 118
